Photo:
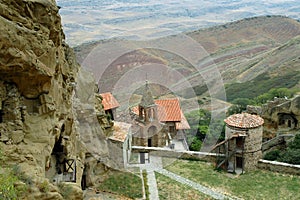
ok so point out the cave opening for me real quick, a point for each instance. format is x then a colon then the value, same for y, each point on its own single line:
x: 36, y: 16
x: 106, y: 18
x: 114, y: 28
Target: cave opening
x: 57, y: 153
x: 58, y: 147
x: 84, y: 178
x: 1, y: 116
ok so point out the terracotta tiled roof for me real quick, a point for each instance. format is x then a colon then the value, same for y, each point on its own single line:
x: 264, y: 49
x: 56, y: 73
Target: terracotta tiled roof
x: 109, y: 101
x: 244, y: 120
x: 120, y: 132
x: 168, y: 110
x: 183, y: 124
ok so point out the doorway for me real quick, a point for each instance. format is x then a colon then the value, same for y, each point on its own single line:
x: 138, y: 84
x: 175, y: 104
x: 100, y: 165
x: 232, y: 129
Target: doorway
x: 149, y: 142
x: 239, y: 162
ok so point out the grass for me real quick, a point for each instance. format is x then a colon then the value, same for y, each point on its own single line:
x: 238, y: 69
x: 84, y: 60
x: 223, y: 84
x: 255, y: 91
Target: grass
x: 169, y: 189
x: 257, y: 184
x: 124, y: 183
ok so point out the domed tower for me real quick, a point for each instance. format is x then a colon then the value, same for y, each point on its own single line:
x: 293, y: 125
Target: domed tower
x: 244, y: 135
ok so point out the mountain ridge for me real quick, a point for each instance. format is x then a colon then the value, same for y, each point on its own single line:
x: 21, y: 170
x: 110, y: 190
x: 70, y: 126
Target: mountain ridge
x: 238, y: 49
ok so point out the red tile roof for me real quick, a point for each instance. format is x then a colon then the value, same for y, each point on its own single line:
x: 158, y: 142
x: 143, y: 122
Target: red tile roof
x: 120, y: 131
x: 183, y: 124
x: 109, y: 101
x: 244, y: 120
x: 168, y: 110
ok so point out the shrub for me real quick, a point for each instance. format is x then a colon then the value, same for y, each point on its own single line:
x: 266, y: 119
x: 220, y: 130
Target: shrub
x: 295, y: 144
x: 7, y: 189
x: 65, y: 190
x: 196, y: 144
x: 272, y: 155
x: 8, y: 178
x: 291, y: 156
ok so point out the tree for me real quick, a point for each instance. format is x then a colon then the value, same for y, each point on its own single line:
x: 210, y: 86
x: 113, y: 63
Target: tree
x: 272, y: 155
x: 295, y: 144
x: 196, y: 144
x: 290, y: 155
x: 275, y: 92
x: 239, y: 105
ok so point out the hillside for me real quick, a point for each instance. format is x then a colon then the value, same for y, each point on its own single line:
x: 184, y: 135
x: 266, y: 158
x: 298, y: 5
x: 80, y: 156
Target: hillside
x: 242, y: 51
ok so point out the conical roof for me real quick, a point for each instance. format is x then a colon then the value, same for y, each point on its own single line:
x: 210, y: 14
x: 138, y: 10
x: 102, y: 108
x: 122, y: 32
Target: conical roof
x: 147, y: 98
x: 244, y: 120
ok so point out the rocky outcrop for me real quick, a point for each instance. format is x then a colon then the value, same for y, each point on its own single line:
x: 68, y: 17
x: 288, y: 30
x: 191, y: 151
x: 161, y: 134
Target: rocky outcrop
x: 281, y: 116
x: 49, y: 127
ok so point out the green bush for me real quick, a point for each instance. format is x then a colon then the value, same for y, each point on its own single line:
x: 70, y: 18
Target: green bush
x: 272, y: 155
x: 7, y: 188
x: 196, y: 144
x: 291, y: 156
x: 295, y: 144
x: 8, y: 178
x: 65, y: 190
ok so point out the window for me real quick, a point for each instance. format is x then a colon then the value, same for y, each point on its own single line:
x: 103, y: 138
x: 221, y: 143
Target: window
x: 239, y: 142
x: 171, y: 129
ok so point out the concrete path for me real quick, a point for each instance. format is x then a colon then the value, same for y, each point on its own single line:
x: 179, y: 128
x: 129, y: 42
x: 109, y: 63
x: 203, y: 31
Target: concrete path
x: 155, y: 163
x: 151, y: 181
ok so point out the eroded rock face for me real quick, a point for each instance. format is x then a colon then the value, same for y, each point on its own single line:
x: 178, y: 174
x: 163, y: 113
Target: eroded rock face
x: 281, y: 116
x: 43, y: 114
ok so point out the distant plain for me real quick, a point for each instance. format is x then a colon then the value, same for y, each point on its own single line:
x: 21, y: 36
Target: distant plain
x: 86, y: 20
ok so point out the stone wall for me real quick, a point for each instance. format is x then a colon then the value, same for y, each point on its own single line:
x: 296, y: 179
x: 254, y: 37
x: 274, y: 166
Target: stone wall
x: 279, y: 167
x: 279, y: 142
x: 193, y: 155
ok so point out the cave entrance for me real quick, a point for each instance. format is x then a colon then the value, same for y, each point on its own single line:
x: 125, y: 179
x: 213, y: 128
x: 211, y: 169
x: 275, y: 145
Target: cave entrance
x: 60, y: 167
x: 1, y: 116
x: 289, y: 123
x: 84, y: 178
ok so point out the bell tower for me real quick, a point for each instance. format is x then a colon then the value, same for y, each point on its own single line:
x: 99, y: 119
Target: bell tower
x: 147, y: 106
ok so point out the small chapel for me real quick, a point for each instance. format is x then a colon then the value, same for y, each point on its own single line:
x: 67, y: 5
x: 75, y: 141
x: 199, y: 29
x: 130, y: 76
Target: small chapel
x: 157, y: 122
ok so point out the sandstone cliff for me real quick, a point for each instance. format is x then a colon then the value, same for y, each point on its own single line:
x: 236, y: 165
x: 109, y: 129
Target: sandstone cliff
x: 48, y: 119
x: 281, y: 116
